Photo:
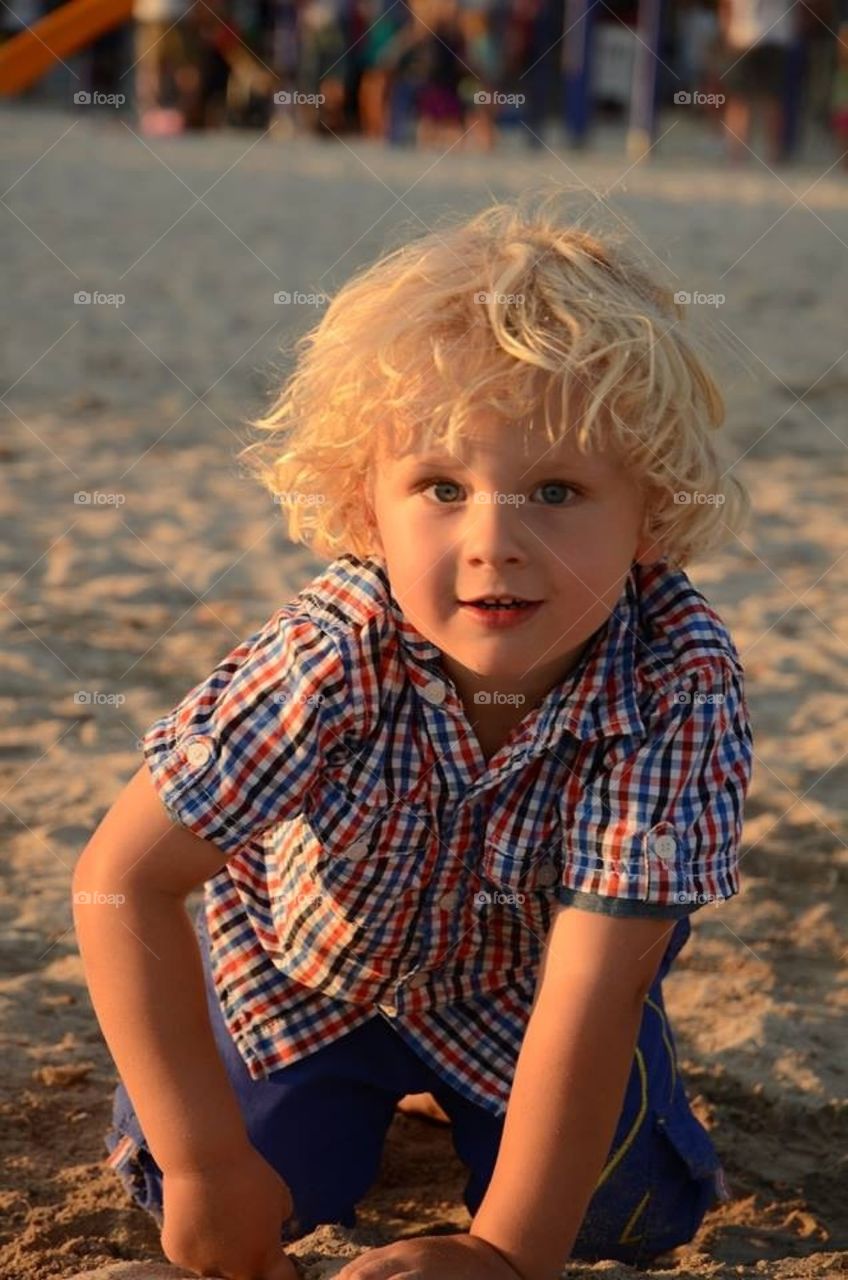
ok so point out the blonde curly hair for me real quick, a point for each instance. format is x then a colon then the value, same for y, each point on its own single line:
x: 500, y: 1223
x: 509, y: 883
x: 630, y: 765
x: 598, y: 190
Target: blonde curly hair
x: 508, y: 311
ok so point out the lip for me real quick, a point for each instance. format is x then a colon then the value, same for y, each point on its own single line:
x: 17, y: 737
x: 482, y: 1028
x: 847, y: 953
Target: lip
x: 506, y: 595
x: 499, y: 618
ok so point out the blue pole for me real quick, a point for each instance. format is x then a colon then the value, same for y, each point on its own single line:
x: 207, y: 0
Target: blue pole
x: 793, y: 94
x: 577, y: 44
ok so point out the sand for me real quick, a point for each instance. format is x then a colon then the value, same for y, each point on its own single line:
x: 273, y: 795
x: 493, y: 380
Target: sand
x: 140, y: 599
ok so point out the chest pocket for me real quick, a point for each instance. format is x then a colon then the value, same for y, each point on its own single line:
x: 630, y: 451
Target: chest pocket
x: 521, y: 880
x: 370, y: 864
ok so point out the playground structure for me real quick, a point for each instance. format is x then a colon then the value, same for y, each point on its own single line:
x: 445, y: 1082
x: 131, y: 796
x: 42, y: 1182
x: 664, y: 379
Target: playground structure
x: 75, y: 24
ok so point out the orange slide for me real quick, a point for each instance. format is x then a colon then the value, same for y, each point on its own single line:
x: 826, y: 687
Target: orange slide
x: 73, y: 25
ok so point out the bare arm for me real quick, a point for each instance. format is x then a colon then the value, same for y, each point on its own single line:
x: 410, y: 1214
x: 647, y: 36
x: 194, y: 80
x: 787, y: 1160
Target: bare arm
x: 569, y: 1085
x: 143, y: 969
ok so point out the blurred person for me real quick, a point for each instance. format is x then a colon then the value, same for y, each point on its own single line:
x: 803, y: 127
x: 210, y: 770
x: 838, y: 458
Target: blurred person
x: 208, y: 38
x: 697, y: 33
x: 166, y: 76
x: 485, y: 71
x: 537, y: 29
x: 426, y: 64
x: 757, y: 36
x: 322, y: 68
x: 283, y: 56
x: 235, y: 85
x: 441, y: 112
x: 375, y: 77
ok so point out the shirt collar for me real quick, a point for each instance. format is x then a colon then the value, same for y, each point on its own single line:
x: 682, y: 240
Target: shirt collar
x: 598, y: 698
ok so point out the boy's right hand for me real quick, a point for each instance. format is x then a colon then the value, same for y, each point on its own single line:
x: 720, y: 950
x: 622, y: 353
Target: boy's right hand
x: 226, y: 1220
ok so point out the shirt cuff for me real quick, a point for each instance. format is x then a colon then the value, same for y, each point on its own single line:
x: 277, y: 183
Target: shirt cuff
x: 623, y: 906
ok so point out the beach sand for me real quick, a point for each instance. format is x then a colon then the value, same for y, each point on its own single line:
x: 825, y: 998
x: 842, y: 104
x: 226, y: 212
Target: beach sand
x: 139, y: 599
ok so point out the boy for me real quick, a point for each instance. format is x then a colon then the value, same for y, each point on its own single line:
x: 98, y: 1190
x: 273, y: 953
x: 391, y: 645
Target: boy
x: 453, y: 804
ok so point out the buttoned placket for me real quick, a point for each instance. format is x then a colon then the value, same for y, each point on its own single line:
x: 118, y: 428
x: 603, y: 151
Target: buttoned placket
x: 437, y: 696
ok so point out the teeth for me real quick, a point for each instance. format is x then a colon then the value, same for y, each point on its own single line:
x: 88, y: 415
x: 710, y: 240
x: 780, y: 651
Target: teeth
x: 500, y: 604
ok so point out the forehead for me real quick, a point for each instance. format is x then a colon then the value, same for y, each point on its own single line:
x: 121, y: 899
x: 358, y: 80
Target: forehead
x: 510, y: 446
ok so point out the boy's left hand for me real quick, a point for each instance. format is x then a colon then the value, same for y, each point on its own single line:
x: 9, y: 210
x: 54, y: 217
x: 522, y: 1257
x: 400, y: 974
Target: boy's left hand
x: 459, y: 1257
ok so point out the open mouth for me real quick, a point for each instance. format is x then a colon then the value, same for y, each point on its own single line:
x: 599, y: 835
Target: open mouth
x: 497, y: 602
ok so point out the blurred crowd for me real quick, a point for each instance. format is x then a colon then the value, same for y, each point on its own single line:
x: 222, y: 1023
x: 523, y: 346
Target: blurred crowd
x: 457, y: 72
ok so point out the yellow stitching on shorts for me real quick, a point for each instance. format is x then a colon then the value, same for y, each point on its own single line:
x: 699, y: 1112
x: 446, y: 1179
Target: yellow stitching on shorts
x: 625, y: 1237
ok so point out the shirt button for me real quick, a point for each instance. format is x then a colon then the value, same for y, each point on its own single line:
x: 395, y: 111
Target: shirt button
x: 434, y: 691
x: 665, y: 846
x: 198, y: 751
x: 357, y: 850
x: 388, y: 1009
x: 417, y: 980
x: 449, y: 900
x: 548, y: 875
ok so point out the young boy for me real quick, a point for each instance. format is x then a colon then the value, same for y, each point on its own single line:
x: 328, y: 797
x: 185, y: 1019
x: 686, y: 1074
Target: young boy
x: 449, y: 846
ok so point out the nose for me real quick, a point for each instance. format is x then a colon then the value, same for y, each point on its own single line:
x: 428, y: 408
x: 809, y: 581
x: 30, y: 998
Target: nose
x: 495, y: 532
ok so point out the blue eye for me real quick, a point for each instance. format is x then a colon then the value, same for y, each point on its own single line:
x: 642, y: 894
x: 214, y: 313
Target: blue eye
x: 439, y: 484
x: 556, y: 484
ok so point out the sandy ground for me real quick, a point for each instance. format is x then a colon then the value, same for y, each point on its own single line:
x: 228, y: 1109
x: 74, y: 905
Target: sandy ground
x: 147, y: 400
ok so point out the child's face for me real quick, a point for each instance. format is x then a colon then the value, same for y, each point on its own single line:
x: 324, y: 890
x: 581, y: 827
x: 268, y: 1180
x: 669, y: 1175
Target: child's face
x: 560, y: 527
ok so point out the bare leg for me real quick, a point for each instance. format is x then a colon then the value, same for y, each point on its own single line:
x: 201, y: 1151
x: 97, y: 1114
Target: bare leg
x: 737, y: 126
x: 423, y: 1104
x: 773, y: 114
x: 482, y: 130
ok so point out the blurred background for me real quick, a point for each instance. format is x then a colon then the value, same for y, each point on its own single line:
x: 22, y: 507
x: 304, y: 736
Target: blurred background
x: 463, y: 72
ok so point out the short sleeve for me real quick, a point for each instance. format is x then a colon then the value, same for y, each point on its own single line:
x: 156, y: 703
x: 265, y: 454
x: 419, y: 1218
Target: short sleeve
x: 656, y: 833
x: 241, y: 750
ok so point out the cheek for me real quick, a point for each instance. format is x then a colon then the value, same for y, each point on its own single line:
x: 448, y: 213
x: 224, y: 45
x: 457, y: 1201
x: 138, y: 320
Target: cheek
x: 596, y: 572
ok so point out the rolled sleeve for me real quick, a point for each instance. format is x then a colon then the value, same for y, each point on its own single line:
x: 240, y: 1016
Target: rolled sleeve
x: 240, y: 752
x: 657, y: 833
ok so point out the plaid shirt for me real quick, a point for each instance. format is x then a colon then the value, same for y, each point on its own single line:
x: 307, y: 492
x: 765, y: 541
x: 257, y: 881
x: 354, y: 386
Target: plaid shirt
x: 377, y: 863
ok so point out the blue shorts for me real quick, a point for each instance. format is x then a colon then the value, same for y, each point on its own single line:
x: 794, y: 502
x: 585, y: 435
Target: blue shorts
x: 321, y: 1123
